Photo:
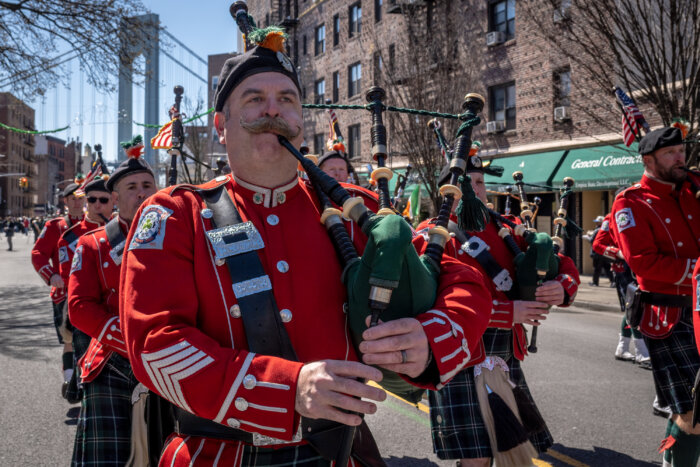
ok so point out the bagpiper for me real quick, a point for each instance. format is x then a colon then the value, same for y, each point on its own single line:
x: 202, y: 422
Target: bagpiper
x: 103, y: 436
x: 460, y: 424
x: 45, y: 259
x: 207, y: 267
x: 657, y: 227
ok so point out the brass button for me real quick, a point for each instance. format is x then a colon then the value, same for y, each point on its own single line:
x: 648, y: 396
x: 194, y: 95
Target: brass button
x: 241, y: 404
x: 282, y: 266
x: 233, y: 423
x: 286, y: 315
x: 235, y: 311
x: 249, y: 382
x: 207, y: 213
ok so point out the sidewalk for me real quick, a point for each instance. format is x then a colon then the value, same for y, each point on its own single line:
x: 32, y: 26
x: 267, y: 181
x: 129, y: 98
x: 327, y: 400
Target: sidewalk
x: 601, y: 298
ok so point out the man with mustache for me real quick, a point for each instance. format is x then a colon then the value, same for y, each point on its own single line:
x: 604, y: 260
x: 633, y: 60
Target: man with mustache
x: 657, y: 227
x: 232, y: 300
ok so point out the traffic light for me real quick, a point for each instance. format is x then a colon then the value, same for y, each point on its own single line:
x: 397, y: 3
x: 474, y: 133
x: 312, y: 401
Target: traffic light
x: 24, y: 182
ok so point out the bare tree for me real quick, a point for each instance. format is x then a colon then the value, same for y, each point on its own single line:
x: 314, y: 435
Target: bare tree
x: 648, y: 47
x: 429, y: 71
x: 36, y: 36
x: 197, y: 140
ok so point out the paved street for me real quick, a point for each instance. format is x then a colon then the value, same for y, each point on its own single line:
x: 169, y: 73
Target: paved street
x: 598, y: 409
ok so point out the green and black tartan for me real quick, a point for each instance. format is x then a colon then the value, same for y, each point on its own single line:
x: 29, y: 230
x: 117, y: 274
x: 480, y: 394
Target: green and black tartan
x: 58, y: 319
x: 103, y: 435
x: 675, y: 362
x: 456, y: 423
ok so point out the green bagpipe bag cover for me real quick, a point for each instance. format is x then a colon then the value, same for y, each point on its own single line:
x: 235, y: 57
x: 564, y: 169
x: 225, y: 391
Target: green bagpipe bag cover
x: 390, y: 260
x: 539, y: 256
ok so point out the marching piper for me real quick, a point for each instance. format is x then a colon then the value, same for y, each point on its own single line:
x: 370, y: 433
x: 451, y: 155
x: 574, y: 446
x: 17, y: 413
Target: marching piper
x: 458, y: 424
x: 99, y: 209
x: 657, y: 227
x: 335, y: 164
x: 213, y: 272
x: 45, y: 259
x: 103, y: 436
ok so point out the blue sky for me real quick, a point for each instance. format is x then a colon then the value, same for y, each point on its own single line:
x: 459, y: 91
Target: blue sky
x: 205, y: 26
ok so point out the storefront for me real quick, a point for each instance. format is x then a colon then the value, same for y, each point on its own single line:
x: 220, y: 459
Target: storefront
x: 597, y: 172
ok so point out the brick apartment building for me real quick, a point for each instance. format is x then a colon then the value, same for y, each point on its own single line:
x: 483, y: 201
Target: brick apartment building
x: 56, y: 161
x: 542, y: 116
x: 17, y: 157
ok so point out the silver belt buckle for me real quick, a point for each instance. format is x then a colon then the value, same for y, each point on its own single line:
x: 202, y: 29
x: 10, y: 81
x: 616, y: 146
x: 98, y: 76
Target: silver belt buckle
x: 232, y: 240
x: 262, y: 440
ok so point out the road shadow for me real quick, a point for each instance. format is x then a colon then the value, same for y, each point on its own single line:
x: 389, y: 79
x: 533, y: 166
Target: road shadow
x: 408, y: 462
x: 598, y: 456
x: 72, y: 416
x: 26, y: 322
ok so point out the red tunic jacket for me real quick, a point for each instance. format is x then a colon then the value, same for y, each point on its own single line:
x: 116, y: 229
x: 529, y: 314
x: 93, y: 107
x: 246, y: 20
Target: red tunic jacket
x: 93, y: 300
x: 183, y: 329
x: 66, y: 249
x: 502, y: 306
x: 45, y: 258
x: 604, y: 244
x: 658, y: 229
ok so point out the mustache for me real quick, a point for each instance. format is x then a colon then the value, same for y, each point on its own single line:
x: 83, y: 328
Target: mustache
x: 271, y: 125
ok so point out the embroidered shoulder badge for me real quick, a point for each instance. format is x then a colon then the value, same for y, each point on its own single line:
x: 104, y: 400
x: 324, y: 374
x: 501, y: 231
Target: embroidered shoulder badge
x: 62, y: 254
x: 150, y: 232
x: 606, y: 226
x: 624, y: 219
x: 77, y: 263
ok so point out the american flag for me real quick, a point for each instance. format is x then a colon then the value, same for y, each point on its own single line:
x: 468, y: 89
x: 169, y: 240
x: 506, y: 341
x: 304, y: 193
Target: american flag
x: 95, y: 171
x: 632, y: 118
x: 164, y: 138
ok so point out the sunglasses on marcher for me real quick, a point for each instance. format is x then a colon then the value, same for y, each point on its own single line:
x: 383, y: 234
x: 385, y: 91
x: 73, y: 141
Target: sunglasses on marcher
x: 93, y: 199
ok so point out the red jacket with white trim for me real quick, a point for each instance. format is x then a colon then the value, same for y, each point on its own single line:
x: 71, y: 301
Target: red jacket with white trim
x: 502, y: 306
x: 182, y: 326
x: 66, y: 248
x: 93, y: 300
x: 45, y: 257
x: 658, y: 230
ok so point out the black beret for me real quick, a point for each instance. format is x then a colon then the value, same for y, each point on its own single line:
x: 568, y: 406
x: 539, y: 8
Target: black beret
x: 256, y: 60
x: 130, y: 166
x: 70, y: 189
x: 660, y: 138
x: 474, y: 164
x: 331, y: 155
x: 96, y: 185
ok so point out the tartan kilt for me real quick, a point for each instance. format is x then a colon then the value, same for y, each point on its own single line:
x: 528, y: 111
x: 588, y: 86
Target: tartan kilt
x: 456, y: 423
x: 103, y: 435
x: 183, y: 450
x: 675, y: 362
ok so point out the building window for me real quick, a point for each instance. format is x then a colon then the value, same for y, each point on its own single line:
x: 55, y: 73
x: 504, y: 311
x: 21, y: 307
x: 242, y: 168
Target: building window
x: 502, y: 17
x: 320, y: 87
x: 377, y: 65
x: 296, y: 52
x: 502, y: 104
x: 214, y: 82
x: 304, y: 50
x: 355, y: 20
x: 354, y: 78
x: 562, y: 88
x: 336, y: 30
x: 354, y: 141
x: 320, y: 44
x: 378, y: 10
x: 336, y: 86
x: 318, y: 143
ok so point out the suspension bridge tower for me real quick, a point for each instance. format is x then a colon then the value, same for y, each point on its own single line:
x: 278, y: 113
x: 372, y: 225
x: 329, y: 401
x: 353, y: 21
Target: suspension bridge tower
x: 148, y: 46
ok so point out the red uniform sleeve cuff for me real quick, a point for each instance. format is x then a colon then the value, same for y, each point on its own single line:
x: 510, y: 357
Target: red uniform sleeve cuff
x: 46, y: 273
x: 501, y: 314
x: 611, y: 252
x: 448, y: 344
x: 570, y: 288
x: 111, y: 336
x: 262, y: 398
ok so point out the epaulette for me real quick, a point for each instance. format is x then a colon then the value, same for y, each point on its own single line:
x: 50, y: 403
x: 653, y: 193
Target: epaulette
x: 630, y: 189
x: 210, y: 185
x: 69, y: 229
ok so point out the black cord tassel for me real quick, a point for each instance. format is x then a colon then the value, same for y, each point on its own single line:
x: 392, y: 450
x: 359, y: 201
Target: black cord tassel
x: 472, y: 215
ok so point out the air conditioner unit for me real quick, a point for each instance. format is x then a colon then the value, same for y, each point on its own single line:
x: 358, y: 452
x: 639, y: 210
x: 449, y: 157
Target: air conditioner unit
x: 497, y: 126
x: 495, y: 38
x: 561, y: 114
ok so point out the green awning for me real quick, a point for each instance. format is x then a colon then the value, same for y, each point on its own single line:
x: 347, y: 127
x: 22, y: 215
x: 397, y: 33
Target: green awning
x: 536, y: 169
x: 600, y: 168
